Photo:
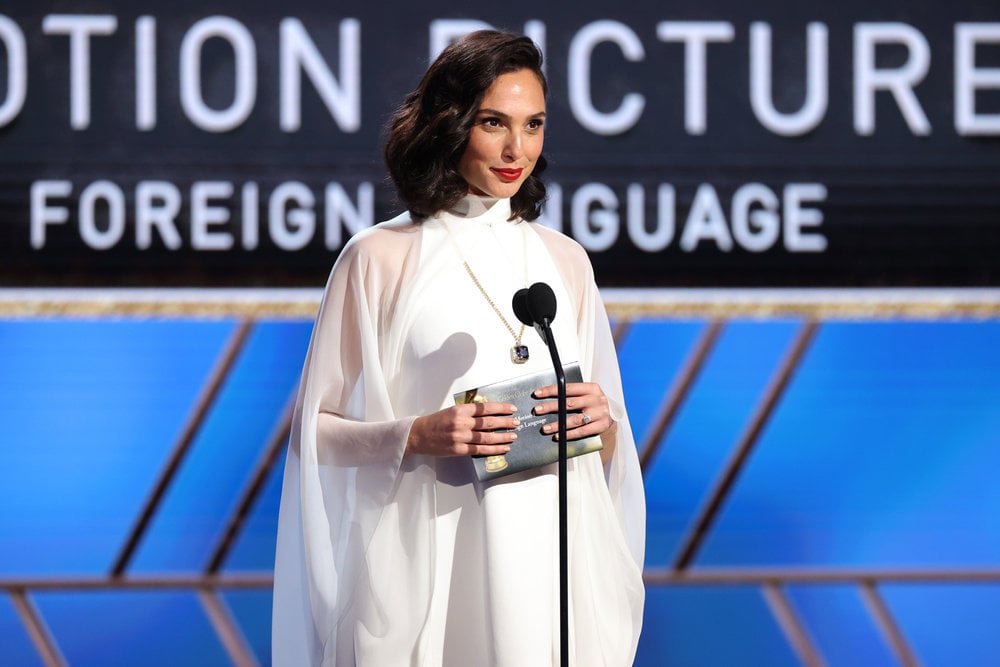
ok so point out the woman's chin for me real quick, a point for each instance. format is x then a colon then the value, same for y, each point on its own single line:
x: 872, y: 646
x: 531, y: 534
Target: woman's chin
x: 498, y: 190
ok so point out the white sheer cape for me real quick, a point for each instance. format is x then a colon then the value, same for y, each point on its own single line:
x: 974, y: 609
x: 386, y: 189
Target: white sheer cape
x: 386, y: 559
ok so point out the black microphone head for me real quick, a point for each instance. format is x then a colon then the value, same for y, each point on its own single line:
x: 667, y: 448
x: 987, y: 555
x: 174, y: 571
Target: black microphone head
x: 520, y: 304
x: 541, y: 303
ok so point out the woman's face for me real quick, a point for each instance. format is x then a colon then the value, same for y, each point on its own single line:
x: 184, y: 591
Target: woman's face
x: 506, y: 138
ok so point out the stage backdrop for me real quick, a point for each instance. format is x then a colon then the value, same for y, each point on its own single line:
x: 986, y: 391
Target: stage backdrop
x: 881, y: 457
x: 716, y: 143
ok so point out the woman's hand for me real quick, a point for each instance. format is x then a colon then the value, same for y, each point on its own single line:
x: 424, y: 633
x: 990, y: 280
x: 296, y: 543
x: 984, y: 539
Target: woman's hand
x: 588, y: 398
x: 464, y: 430
x: 594, y: 416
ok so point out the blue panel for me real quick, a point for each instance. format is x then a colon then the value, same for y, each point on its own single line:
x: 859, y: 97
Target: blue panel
x: 17, y: 647
x: 129, y: 628
x: 839, y: 624
x: 883, y: 452
x: 708, y: 426
x: 953, y: 624
x: 226, y: 451
x: 89, y: 410
x: 252, y: 610
x: 650, y: 357
x: 254, y: 546
x: 710, y: 627
x: 254, y: 550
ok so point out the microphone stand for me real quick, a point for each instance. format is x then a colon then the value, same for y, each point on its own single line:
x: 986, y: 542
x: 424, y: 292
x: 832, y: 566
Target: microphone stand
x: 546, y: 333
x: 536, y: 305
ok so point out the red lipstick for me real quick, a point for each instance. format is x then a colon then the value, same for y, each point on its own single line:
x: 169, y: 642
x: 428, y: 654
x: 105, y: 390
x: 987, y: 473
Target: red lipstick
x: 508, y: 175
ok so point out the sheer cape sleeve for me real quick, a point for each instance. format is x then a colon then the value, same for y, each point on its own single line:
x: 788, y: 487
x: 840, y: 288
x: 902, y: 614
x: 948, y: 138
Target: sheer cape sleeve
x: 345, y: 448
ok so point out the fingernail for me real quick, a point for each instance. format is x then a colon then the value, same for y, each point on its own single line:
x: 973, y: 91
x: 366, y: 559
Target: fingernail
x: 517, y: 422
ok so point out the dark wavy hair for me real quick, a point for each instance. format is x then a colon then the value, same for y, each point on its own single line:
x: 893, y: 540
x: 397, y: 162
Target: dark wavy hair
x: 428, y: 134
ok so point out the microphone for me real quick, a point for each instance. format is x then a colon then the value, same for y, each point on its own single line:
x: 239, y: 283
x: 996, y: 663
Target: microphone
x: 536, y: 307
x: 520, y: 305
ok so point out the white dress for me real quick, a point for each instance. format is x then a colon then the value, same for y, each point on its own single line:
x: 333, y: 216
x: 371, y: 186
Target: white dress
x: 385, y: 559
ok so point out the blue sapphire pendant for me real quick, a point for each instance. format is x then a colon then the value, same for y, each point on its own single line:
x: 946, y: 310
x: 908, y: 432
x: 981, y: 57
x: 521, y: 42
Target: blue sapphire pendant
x: 519, y: 354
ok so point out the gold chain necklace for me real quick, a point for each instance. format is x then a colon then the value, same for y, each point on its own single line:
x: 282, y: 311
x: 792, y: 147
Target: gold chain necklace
x: 519, y: 352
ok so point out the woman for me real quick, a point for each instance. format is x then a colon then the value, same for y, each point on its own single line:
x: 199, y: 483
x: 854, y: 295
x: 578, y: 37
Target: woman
x: 390, y: 552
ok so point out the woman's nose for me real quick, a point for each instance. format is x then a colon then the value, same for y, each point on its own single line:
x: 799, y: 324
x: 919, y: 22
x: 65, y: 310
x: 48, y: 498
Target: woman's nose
x: 512, y: 147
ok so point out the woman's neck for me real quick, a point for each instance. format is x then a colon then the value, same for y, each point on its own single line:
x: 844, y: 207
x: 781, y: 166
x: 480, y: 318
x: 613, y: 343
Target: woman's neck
x: 472, y: 206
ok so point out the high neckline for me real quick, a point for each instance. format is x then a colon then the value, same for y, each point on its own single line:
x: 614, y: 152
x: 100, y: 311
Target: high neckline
x: 486, y: 211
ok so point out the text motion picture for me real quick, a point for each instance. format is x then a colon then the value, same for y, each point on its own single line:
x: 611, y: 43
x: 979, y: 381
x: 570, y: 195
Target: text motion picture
x: 339, y: 88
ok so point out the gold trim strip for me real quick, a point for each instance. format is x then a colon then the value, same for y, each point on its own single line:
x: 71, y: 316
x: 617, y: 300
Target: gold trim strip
x: 631, y: 311
x: 840, y: 310
x: 158, y: 309
x: 715, y: 304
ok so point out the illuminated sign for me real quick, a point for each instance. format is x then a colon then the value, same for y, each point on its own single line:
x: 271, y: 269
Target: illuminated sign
x: 845, y: 147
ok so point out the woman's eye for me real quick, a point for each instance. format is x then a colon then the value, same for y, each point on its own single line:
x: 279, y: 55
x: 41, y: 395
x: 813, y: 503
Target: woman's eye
x: 491, y: 122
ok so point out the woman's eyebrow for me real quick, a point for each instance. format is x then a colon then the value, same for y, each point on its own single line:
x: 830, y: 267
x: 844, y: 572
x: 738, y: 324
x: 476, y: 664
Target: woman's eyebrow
x: 501, y: 114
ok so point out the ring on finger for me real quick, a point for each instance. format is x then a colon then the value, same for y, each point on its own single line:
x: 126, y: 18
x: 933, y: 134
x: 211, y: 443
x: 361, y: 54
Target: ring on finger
x: 586, y: 419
